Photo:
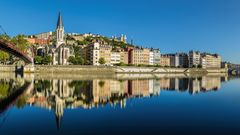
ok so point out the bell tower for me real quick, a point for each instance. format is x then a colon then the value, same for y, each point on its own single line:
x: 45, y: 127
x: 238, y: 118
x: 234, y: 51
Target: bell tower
x: 59, y: 31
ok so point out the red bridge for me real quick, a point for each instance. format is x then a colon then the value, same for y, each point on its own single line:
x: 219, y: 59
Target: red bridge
x: 10, y: 48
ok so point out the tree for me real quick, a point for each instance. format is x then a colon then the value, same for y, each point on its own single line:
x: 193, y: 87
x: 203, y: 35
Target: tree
x: 38, y: 59
x: 5, y: 37
x: 43, y: 60
x: 47, y: 59
x: 76, y: 60
x: 102, y: 61
x: 20, y: 42
x: 72, y: 59
x: 4, y: 57
x: 199, y: 66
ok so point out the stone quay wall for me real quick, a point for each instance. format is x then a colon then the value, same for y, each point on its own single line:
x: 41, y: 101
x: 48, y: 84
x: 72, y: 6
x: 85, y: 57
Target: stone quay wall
x: 72, y: 69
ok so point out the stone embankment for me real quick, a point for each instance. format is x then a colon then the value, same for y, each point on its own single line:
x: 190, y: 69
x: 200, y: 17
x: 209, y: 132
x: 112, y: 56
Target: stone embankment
x: 106, y: 70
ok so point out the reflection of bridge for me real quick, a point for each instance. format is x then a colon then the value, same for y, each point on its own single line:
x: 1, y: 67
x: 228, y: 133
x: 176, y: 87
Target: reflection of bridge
x: 13, y: 97
x: 10, y: 48
x: 235, y: 70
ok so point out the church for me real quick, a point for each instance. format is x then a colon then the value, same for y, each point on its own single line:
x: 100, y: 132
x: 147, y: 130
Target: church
x: 60, y: 52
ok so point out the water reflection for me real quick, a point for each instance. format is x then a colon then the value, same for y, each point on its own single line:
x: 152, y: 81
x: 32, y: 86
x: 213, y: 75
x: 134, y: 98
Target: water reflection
x: 58, y: 94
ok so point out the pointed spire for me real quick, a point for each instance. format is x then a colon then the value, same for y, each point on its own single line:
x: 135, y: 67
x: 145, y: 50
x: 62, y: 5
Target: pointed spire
x: 59, y: 22
x: 58, y: 121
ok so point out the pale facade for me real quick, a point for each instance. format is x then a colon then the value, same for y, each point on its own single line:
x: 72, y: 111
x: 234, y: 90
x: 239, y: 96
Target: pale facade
x: 194, y: 58
x: 115, y: 58
x: 96, y: 51
x: 124, y: 56
x: 154, y: 57
x: 45, y: 35
x: 211, y: 61
x: 139, y: 56
x: 165, y: 61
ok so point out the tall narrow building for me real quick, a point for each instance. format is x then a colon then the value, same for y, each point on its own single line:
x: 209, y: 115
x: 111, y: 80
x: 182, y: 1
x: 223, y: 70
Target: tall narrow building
x: 59, y: 32
x: 60, y: 52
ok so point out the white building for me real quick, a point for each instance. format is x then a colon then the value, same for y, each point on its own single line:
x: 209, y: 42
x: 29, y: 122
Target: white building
x: 154, y: 57
x: 115, y: 58
x: 194, y: 58
x: 94, y: 53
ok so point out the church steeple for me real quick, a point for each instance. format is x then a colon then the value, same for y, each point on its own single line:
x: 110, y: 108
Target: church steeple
x: 59, y: 22
x: 59, y: 31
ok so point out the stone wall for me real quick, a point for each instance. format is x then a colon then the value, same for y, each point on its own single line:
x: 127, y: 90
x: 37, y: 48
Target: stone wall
x: 74, y: 69
x: 7, y: 68
x: 106, y: 69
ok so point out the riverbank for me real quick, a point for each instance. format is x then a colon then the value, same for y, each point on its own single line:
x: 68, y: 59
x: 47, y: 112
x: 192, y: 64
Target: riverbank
x: 106, y: 69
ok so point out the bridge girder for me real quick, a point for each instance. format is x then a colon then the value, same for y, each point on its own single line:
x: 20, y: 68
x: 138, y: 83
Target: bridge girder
x: 10, y: 48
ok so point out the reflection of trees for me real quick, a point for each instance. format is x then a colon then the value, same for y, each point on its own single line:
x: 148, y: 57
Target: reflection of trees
x: 4, y: 88
x: 82, y: 90
x: 21, y: 102
x: 42, y: 85
x: 7, y: 87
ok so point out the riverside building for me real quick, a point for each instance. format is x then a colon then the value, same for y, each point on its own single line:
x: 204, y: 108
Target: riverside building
x: 210, y: 61
x: 154, y: 57
x: 139, y: 56
x: 165, y: 60
x: 194, y: 58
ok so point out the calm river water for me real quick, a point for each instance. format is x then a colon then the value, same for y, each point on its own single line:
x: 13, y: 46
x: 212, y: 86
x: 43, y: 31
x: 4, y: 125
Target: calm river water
x: 137, y: 104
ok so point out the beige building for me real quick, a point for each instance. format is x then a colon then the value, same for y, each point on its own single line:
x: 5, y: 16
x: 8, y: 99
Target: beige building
x: 124, y: 56
x: 165, y: 60
x: 45, y: 35
x: 96, y: 51
x: 211, y: 61
x: 139, y: 56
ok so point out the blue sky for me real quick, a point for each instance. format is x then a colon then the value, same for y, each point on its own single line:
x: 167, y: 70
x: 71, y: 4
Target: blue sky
x: 171, y: 25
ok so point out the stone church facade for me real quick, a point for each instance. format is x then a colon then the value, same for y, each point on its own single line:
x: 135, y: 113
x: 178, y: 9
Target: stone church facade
x: 60, y: 52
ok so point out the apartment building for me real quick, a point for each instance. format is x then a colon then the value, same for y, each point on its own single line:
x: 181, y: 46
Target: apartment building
x: 194, y: 58
x: 210, y: 61
x: 96, y: 51
x: 154, y: 57
x: 139, y: 56
x: 165, y: 60
x: 183, y: 60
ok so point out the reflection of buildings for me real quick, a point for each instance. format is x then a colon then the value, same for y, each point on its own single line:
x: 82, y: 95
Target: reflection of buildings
x: 193, y: 85
x: 60, y: 94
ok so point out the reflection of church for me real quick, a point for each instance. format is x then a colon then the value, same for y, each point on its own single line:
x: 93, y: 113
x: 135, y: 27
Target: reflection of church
x: 60, y: 52
x: 60, y: 94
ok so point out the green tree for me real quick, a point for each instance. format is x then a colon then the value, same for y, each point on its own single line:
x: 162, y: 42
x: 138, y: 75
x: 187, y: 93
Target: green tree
x: 47, y: 59
x: 38, y: 59
x: 4, y: 57
x: 102, y: 61
x: 20, y: 42
x: 43, y: 60
x: 5, y: 37
x: 76, y: 60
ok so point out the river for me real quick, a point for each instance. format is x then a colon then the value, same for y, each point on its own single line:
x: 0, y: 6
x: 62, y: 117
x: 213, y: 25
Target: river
x: 121, y: 104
